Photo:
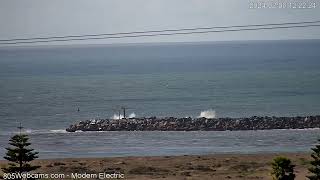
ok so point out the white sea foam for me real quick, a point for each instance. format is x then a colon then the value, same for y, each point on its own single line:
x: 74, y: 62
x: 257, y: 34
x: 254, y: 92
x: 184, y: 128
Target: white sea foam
x: 28, y: 131
x: 58, y: 131
x: 208, y: 114
x: 116, y: 116
x: 132, y: 115
x: 39, y: 131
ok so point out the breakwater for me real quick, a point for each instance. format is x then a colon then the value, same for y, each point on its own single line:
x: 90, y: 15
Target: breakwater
x: 197, y: 124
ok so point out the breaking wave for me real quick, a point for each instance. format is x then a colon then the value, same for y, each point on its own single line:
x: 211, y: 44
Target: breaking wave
x: 58, y: 131
x: 116, y: 116
x: 36, y: 131
x: 208, y: 114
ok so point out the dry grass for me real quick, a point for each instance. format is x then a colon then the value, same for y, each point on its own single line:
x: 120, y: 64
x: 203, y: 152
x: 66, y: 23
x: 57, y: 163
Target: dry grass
x: 232, y: 166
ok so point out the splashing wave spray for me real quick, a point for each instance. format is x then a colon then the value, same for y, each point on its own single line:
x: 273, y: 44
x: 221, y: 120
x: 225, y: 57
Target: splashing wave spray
x: 208, y: 114
x: 116, y: 116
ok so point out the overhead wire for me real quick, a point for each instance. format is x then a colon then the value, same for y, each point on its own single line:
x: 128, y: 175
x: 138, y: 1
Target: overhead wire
x: 167, y: 32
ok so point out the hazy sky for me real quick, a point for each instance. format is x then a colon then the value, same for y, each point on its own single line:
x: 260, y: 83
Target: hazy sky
x: 36, y: 18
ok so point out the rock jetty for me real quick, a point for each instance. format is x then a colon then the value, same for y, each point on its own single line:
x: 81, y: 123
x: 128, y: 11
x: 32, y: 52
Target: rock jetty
x: 197, y: 124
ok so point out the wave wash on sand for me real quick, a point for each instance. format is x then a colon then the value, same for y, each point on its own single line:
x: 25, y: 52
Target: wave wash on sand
x: 197, y: 124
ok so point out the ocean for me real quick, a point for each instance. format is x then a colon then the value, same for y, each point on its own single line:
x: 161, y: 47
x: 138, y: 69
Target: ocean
x: 43, y: 87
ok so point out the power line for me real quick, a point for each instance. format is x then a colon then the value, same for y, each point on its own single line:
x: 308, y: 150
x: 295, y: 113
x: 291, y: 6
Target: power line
x: 163, y: 34
x: 158, y: 31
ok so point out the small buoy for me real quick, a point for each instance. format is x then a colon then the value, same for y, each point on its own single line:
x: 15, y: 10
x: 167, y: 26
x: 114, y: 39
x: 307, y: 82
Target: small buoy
x: 78, y: 109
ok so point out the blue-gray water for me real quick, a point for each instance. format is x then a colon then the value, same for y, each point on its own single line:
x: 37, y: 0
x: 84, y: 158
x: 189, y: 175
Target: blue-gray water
x: 147, y: 143
x: 43, y: 87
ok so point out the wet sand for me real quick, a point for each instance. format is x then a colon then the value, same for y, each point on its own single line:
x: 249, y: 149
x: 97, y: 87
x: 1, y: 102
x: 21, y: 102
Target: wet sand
x: 219, y: 166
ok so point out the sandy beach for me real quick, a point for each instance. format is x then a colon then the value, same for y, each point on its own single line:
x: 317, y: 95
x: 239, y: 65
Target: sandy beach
x: 220, y: 166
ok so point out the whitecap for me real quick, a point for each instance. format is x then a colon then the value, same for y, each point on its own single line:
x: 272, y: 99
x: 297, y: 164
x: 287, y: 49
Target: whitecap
x: 116, y: 116
x: 208, y: 114
x: 58, y: 131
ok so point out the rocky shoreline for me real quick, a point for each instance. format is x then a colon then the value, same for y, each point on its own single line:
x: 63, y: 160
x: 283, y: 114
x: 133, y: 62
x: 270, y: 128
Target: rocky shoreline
x: 197, y: 124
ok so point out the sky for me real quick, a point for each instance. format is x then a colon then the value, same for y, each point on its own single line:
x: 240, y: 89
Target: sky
x: 41, y: 18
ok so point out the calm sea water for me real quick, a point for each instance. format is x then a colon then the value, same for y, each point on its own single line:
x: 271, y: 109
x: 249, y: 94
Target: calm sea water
x: 111, y: 144
x: 43, y: 87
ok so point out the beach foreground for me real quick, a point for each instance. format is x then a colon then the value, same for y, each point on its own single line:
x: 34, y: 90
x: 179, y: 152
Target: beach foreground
x: 220, y: 166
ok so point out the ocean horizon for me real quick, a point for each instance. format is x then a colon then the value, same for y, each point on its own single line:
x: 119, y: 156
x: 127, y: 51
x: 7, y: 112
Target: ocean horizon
x: 43, y: 87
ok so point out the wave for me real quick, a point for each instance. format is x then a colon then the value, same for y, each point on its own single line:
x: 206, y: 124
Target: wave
x: 208, y: 114
x: 116, y: 116
x: 35, y: 131
x: 58, y: 131
x: 51, y: 131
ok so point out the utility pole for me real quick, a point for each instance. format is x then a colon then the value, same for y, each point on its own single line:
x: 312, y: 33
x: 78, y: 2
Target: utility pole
x: 124, y: 111
x: 20, y: 128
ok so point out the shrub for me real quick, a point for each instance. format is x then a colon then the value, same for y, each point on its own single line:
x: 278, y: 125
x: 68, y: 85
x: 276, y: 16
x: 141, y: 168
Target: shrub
x: 282, y: 169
